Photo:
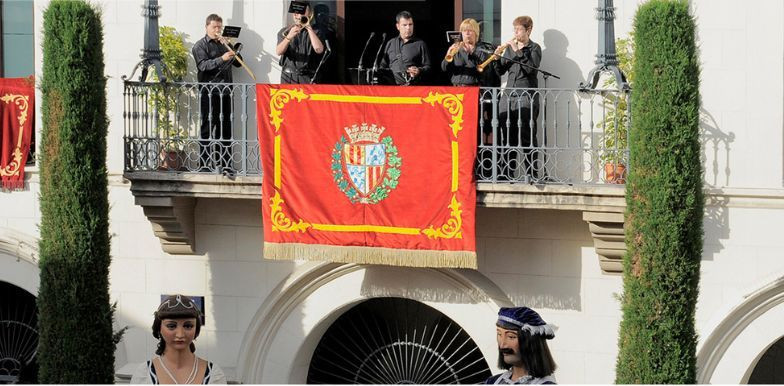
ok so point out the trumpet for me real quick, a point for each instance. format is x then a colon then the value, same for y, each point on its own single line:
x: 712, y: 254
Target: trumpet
x: 303, y: 20
x: 491, y: 58
x: 450, y: 53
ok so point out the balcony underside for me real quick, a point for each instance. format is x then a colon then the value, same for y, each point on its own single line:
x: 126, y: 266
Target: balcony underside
x: 168, y: 200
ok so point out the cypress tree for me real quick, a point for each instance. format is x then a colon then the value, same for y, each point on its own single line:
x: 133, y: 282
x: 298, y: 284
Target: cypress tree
x: 75, y: 317
x: 657, y: 342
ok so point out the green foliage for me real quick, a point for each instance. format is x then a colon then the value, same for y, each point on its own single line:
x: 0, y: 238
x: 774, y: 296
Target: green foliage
x: 615, y: 124
x: 164, y: 97
x: 75, y: 317
x: 657, y: 342
x: 175, y: 55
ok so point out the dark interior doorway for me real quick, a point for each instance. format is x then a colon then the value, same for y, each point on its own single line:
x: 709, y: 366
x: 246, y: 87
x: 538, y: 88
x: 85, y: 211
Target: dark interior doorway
x: 396, y: 341
x: 431, y: 20
x: 769, y: 369
x: 18, y: 335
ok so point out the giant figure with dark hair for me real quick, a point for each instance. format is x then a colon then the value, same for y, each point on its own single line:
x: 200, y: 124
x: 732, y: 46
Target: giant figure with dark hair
x: 176, y: 325
x: 522, y: 348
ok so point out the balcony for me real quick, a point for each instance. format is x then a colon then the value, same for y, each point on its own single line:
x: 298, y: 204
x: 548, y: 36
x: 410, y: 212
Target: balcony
x: 576, y: 159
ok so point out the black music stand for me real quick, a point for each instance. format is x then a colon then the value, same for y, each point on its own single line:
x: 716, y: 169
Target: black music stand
x: 231, y: 31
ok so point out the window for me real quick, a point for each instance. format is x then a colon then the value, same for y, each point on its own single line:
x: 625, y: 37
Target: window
x: 16, y: 45
x: 488, y: 14
x: 17, y: 41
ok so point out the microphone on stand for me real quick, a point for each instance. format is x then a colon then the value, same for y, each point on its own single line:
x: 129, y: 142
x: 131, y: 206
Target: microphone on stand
x: 324, y: 56
x: 375, y: 60
x: 359, y: 67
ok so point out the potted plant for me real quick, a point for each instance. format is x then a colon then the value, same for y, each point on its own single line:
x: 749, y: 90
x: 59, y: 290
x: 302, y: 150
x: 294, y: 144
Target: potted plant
x: 615, y: 125
x: 164, y: 98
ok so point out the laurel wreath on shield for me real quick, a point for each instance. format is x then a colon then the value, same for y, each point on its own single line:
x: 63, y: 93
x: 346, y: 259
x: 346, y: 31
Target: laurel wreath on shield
x: 382, y: 190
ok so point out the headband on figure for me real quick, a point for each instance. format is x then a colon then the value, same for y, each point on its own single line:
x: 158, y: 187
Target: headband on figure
x: 177, y: 305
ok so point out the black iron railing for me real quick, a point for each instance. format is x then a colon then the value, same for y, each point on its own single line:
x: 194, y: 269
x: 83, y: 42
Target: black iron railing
x: 542, y: 136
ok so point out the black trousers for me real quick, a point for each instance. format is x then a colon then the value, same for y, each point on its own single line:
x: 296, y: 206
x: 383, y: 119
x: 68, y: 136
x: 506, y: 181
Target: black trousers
x: 518, y: 141
x: 294, y: 78
x: 216, y: 133
x: 484, y: 157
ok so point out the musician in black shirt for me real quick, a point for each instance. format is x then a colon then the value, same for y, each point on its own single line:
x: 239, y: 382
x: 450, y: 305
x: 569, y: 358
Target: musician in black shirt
x: 406, y: 55
x: 462, y: 63
x: 213, y: 62
x: 524, y: 106
x: 463, y: 58
x: 300, y: 46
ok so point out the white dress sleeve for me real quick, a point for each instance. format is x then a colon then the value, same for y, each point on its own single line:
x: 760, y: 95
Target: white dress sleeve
x: 142, y: 375
x: 217, y: 377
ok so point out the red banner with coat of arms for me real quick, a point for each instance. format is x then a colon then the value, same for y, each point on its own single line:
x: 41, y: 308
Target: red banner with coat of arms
x: 17, y: 100
x: 379, y: 175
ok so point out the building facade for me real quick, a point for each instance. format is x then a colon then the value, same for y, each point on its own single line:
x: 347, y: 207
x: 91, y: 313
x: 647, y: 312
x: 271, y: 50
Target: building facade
x: 551, y: 246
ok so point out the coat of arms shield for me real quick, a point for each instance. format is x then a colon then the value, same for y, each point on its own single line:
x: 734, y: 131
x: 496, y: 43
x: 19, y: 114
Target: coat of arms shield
x: 366, y: 166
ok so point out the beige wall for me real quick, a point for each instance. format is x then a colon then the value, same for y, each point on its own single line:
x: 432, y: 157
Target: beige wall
x: 741, y: 55
x: 545, y: 259
x: 539, y: 258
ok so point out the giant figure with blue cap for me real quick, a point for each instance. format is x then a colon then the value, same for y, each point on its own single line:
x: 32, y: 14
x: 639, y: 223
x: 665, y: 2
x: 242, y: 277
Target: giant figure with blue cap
x: 522, y: 348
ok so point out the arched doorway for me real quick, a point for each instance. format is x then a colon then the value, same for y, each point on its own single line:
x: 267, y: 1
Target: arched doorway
x: 396, y: 341
x: 18, y: 335
x: 282, y: 338
x: 769, y: 369
x: 735, y: 345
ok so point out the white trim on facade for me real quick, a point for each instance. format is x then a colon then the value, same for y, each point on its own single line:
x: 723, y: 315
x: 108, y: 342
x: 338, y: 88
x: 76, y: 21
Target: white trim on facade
x: 735, y: 344
x: 285, y: 331
x: 19, y: 260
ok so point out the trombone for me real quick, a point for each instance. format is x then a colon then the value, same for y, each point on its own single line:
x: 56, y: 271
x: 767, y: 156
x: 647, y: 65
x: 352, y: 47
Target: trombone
x: 225, y: 42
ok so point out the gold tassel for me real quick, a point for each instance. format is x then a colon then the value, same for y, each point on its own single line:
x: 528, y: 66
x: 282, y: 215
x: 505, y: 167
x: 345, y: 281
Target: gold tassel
x: 371, y: 255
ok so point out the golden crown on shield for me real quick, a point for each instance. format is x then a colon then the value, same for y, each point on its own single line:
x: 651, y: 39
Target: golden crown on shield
x: 364, y: 133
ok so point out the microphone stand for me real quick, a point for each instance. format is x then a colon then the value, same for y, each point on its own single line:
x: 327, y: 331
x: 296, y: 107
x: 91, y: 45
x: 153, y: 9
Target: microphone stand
x: 362, y: 56
x: 545, y: 76
x: 375, y: 60
x: 324, y: 57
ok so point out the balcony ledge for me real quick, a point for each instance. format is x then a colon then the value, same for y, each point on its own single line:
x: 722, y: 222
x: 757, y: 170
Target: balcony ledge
x: 597, y: 198
x: 168, y: 200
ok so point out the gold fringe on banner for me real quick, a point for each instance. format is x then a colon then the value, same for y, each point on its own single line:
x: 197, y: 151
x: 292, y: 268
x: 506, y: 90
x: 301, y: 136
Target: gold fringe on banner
x: 371, y: 255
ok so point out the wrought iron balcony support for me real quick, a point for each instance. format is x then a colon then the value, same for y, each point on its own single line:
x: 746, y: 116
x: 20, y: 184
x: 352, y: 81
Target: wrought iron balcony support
x: 606, y: 57
x: 151, y: 53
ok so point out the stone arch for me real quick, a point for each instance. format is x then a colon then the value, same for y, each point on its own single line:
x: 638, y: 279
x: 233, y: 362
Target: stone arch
x: 19, y: 260
x: 286, y: 329
x: 735, y: 344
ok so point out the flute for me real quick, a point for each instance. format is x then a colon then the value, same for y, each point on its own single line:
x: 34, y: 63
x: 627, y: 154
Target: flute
x: 450, y: 54
x: 491, y: 58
